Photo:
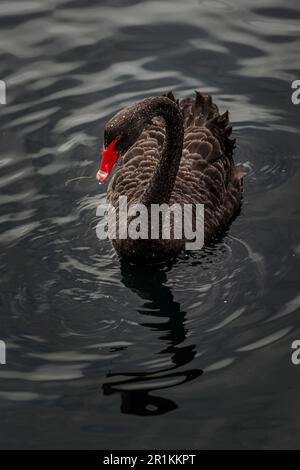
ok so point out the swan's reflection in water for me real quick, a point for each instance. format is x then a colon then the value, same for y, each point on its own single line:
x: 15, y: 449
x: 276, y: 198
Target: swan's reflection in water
x: 136, y: 389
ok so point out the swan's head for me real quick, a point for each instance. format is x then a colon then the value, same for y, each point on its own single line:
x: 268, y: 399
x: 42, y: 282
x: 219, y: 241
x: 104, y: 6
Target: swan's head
x: 120, y: 133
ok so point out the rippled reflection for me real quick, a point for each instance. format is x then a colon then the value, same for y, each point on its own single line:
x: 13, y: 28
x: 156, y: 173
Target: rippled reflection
x: 150, y: 284
x: 85, y: 333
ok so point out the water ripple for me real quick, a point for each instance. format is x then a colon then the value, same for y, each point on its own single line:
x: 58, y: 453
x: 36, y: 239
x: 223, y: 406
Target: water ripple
x: 195, y: 337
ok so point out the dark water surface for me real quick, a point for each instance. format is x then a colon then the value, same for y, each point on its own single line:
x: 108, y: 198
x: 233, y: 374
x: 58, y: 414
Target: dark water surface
x: 101, y: 355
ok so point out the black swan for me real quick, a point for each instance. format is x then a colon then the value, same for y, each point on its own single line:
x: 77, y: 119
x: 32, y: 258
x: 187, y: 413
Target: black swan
x: 172, y: 151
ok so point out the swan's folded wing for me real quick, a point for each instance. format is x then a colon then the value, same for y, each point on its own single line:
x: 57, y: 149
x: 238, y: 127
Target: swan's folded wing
x: 206, y: 131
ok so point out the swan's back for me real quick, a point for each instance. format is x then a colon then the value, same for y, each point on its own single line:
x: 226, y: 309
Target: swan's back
x: 207, y: 173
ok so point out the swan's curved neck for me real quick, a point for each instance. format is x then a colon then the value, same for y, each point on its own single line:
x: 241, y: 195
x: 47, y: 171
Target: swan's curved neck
x: 162, y: 182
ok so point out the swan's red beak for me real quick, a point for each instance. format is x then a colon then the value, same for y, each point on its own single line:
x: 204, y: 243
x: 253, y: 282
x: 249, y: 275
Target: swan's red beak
x: 109, y: 158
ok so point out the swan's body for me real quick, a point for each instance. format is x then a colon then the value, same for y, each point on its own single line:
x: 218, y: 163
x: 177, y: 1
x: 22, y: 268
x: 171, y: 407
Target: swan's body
x: 179, y: 152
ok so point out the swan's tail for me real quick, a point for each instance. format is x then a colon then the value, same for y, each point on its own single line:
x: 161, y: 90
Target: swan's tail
x: 202, y: 112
